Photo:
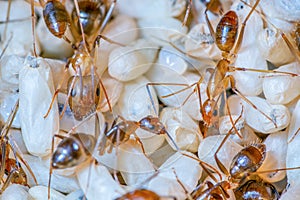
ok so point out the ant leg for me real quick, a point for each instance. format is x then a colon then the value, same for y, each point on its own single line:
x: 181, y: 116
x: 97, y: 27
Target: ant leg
x: 187, y: 13
x: 143, y: 150
x: 263, y: 71
x: 57, y: 91
x: 205, y: 166
x: 8, y: 180
x: 241, y: 34
x: 182, y: 186
x: 295, y: 134
x: 235, y: 90
x: 219, y: 163
x: 33, y: 27
x: 210, y: 27
x: 108, y: 15
x: 51, y: 162
x: 165, y: 84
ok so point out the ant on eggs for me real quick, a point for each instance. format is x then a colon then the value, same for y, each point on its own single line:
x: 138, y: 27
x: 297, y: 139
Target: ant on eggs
x: 88, y: 19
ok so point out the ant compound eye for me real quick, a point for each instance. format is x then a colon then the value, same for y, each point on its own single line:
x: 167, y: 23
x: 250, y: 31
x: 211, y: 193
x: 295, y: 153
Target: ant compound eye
x: 98, y: 91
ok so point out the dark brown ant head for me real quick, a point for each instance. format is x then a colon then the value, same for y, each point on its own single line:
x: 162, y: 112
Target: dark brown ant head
x: 56, y: 18
x: 85, y: 95
x: 209, y: 113
x: 141, y: 194
x: 152, y: 124
x: 254, y: 189
x: 248, y: 160
x: 90, y: 17
x: 73, y: 150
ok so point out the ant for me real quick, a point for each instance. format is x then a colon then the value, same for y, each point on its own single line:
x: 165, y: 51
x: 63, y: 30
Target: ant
x: 86, y: 21
x: 228, y: 41
x: 11, y: 167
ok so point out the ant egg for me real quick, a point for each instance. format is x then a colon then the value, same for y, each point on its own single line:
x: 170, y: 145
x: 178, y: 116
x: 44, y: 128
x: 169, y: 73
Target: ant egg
x: 182, y: 128
x: 41, y: 192
x: 52, y: 46
x: 293, y: 176
x: 282, y: 89
x: 199, y: 43
x: 35, y: 99
x: 128, y: 63
x: 123, y: 30
x: 97, y: 183
x: 165, y: 183
x: 146, y: 8
x: 288, y: 10
x: 114, y: 89
x: 276, y: 148
x: 78, y: 194
x: 279, y: 115
x: 273, y: 48
x: 15, y: 191
x: 162, y: 29
x: 209, y: 146
x: 134, y: 102
x: 225, y: 125
x: 248, y: 135
x: 9, y: 71
x: 6, y: 105
x: 249, y: 83
x: 291, y: 192
x: 20, y: 32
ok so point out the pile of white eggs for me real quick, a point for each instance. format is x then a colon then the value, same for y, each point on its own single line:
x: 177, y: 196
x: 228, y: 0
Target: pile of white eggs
x: 147, y: 29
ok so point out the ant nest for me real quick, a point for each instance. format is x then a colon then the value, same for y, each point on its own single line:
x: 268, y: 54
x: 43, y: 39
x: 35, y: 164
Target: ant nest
x: 150, y: 100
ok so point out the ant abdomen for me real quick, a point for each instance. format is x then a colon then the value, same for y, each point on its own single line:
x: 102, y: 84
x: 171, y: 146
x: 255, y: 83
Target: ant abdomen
x: 226, y: 31
x: 248, y: 160
x: 73, y: 150
x: 256, y: 190
x: 56, y: 18
x: 90, y: 17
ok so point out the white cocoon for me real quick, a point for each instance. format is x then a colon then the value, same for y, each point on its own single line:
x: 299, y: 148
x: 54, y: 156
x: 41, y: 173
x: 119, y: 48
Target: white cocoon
x: 134, y: 103
x: 276, y: 148
x: 36, y: 91
x: 9, y: 72
x: 273, y: 48
x: 128, y: 63
x: 188, y: 171
x: 292, y: 192
x: 19, y: 31
x: 122, y: 29
x: 151, y: 9
x: 256, y: 120
x: 40, y: 192
x: 6, y: 105
x: 101, y: 185
x: 182, y: 128
x: 282, y: 89
x: 292, y: 160
x: 225, y: 124
x: 15, y: 192
x: 209, y: 146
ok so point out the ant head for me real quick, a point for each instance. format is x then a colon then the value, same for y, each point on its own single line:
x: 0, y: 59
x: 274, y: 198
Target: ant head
x: 140, y: 194
x: 152, y: 124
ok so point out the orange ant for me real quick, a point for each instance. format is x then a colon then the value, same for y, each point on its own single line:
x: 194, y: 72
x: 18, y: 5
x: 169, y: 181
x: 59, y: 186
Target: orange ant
x: 85, y: 22
x: 11, y: 166
x: 228, y: 41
